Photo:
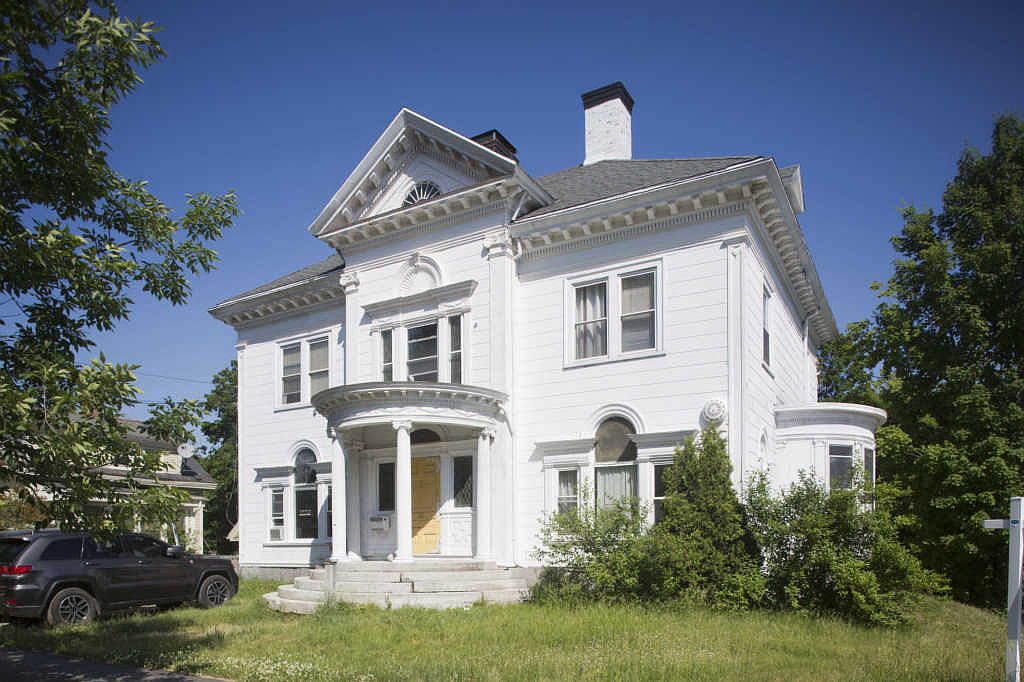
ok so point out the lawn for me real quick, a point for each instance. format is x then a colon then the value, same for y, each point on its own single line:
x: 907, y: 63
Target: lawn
x: 246, y: 641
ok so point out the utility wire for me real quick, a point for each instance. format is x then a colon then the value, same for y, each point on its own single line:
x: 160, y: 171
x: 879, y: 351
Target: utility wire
x: 165, y: 376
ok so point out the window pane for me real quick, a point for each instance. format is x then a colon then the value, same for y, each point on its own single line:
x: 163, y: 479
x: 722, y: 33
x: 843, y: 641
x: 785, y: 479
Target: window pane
x: 591, y: 302
x: 869, y: 465
x: 659, y: 510
x: 659, y: 480
x: 840, y: 466
x: 291, y: 390
x: 427, y: 331
x: 614, y: 484
x: 422, y: 364
x: 63, y: 550
x: 455, y: 357
x: 319, y: 381
x: 277, y: 507
x: 318, y: 355
x: 101, y: 549
x: 637, y: 331
x: 423, y: 370
x: 385, y: 342
x: 386, y: 486
x: 305, y: 513
x: 291, y: 360
x: 456, y: 369
x: 455, y: 324
x: 613, y: 442
x: 638, y: 293
x: 591, y: 339
x: 328, y: 515
x: 567, y: 483
x: 463, y: 479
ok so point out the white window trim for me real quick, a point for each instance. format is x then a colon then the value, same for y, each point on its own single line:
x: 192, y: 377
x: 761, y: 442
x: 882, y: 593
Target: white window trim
x: 333, y: 368
x: 269, y: 503
x: 856, y: 449
x: 766, y: 325
x: 613, y: 286
x: 579, y: 487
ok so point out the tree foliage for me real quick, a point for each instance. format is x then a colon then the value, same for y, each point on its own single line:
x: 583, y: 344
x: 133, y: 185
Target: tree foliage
x: 943, y: 353
x: 77, y: 241
x: 221, y: 457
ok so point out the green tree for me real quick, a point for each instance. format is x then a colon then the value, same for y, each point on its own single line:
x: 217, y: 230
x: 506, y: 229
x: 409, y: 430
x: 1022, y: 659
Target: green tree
x: 77, y: 242
x: 221, y: 458
x: 945, y: 352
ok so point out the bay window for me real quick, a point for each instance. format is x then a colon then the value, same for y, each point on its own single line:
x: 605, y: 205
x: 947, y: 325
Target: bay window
x: 840, y: 467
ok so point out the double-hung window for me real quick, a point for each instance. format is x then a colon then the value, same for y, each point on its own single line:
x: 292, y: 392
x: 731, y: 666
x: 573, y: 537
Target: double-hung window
x: 425, y: 350
x: 659, y: 491
x: 766, y: 337
x: 305, y: 370
x: 422, y: 346
x: 455, y: 349
x: 568, y: 490
x: 277, y: 514
x: 840, y: 467
x: 615, y: 315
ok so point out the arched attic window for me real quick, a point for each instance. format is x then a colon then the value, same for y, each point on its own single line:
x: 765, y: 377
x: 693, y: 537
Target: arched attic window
x: 614, y: 462
x: 305, y: 495
x: 421, y: 191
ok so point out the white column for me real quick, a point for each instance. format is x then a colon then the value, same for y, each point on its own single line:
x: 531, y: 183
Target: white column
x: 200, y: 526
x: 482, y: 493
x: 349, y: 282
x: 352, y: 513
x: 1013, y: 590
x: 403, y: 491
x: 338, y: 508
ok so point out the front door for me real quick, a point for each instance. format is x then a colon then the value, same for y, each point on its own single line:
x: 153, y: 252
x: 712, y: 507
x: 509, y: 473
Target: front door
x: 426, y: 495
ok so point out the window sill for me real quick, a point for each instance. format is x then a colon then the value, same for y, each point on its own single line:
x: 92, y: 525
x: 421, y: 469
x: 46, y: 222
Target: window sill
x: 291, y: 407
x: 297, y: 543
x: 606, y: 359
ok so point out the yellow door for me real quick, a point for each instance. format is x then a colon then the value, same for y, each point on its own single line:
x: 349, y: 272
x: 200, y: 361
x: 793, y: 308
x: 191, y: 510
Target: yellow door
x: 426, y: 494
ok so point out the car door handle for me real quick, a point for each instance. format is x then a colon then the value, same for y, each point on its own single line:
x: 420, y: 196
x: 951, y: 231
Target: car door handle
x: 142, y: 561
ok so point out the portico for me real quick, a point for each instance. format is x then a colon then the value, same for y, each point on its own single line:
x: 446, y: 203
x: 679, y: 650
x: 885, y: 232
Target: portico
x: 411, y: 469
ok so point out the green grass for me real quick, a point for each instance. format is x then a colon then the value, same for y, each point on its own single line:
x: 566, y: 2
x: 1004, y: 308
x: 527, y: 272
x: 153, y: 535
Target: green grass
x: 246, y: 641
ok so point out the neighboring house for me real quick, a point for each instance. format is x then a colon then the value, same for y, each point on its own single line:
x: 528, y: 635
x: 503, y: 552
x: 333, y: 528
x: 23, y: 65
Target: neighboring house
x: 486, y: 347
x: 180, y: 470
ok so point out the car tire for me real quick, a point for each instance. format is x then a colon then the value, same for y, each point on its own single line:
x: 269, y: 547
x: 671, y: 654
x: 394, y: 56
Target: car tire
x: 71, y: 606
x: 215, y: 591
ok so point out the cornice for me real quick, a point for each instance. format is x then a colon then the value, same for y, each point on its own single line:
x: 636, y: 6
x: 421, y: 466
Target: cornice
x: 408, y: 401
x: 456, y: 291
x: 282, y: 302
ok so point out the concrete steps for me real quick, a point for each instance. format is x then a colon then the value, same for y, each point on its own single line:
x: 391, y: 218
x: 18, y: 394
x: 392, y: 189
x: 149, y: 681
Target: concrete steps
x: 423, y: 583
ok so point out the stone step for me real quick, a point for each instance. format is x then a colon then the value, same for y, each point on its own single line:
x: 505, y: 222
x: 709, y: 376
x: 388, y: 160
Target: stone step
x: 357, y: 586
x: 367, y: 576
x: 508, y: 596
x: 436, y: 600
x: 454, y: 584
x: 318, y: 574
x: 310, y: 584
x: 485, y: 574
x: 292, y: 593
x: 415, y: 565
x: 287, y: 606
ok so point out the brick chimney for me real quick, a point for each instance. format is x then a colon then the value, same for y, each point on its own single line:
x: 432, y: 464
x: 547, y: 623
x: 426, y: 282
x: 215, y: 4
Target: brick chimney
x: 607, y: 115
x: 496, y: 142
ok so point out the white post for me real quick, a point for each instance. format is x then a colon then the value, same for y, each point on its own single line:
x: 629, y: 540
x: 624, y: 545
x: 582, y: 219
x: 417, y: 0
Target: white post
x: 1013, y: 584
x: 1013, y: 588
x: 482, y: 493
x: 352, y: 512
x: 338, y: 523
x: 403, y: 491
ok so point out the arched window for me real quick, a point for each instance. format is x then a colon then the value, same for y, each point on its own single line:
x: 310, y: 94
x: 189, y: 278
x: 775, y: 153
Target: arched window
x: 614, y: 462
x: 421, y: 191
x: 424, y: 436
x: 305, y: 495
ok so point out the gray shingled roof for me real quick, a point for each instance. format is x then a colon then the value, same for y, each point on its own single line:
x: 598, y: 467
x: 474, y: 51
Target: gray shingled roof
x: 604, y: 179
x: 329, y: 264
x: 569, y: 187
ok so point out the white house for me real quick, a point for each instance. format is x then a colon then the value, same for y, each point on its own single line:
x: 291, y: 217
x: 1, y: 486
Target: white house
x: 482, y: 347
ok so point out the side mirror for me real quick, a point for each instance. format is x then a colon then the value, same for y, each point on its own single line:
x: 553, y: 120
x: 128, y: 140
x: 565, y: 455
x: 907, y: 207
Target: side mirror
x: 175, y: 552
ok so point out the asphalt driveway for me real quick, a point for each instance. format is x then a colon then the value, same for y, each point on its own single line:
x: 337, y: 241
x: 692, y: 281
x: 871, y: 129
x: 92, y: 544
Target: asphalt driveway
x: 25, y: 666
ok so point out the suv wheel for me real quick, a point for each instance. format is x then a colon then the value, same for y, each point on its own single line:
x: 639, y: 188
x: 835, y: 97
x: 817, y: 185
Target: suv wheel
x: 214, y: 591
x: 71, y: 606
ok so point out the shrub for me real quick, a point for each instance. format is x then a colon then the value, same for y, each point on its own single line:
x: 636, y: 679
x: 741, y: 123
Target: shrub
x: 832, y: 554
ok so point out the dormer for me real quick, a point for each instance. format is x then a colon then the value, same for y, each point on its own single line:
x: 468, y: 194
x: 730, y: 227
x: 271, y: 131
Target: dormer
x: 419, y: 171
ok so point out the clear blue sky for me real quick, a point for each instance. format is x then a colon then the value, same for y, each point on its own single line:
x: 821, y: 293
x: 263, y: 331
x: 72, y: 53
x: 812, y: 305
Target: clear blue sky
x: 280, y: 100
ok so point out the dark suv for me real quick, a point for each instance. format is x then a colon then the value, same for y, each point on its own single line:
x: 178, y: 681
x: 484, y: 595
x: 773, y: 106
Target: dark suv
x: 72, y: 578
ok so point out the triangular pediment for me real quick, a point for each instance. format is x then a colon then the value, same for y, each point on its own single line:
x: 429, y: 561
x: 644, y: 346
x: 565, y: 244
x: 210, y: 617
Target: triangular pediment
x: 411, y: 149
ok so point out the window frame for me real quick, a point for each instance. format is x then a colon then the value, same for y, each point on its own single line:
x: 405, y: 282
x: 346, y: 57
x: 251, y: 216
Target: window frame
x: 272, y: 517
x: 655, y: 498
x: 565, y: 499
x: 613, y: 280
x: 852, y: 457
x: 304, y: 341
x: 766, y: 326
x: 399, y: 336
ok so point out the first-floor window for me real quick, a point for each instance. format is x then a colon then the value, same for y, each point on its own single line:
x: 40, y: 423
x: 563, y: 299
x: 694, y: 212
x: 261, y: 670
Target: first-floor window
x: 305, y: 513
x: 869, y: 466
x: 277, y: 514
x: 659, y: 491
x: 840, y: 467
x: 462, y: 470
x: 386, y: 486
x: 568, y: 490
x: 613, y: 484
x: 328, y: 515
x: 422, y: 365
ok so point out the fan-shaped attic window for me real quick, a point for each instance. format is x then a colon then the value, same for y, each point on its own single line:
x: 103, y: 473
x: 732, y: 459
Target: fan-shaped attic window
x: 421, y: 191
x: 613, y: 441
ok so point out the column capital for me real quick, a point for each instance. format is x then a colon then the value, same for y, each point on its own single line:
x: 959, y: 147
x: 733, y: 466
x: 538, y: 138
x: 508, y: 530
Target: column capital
x: 499, y: 244
x: 349, y: 282
x: 487, y: 433
x: 400, y: 424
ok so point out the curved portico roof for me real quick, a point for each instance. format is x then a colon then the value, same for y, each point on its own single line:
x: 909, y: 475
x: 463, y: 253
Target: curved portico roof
x: 418, y: 402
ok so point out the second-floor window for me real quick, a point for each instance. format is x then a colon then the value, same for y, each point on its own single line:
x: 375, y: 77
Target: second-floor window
x: 615, y: 315
x: 305, y: 369
x: 422, y: 346
x: 433, y: 350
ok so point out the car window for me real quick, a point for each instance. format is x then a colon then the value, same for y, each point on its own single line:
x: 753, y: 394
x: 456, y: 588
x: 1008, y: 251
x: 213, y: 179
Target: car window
x: 10, y: 549
x: 142, y: 547
x: 102, y: 549
x: 63, y: 550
